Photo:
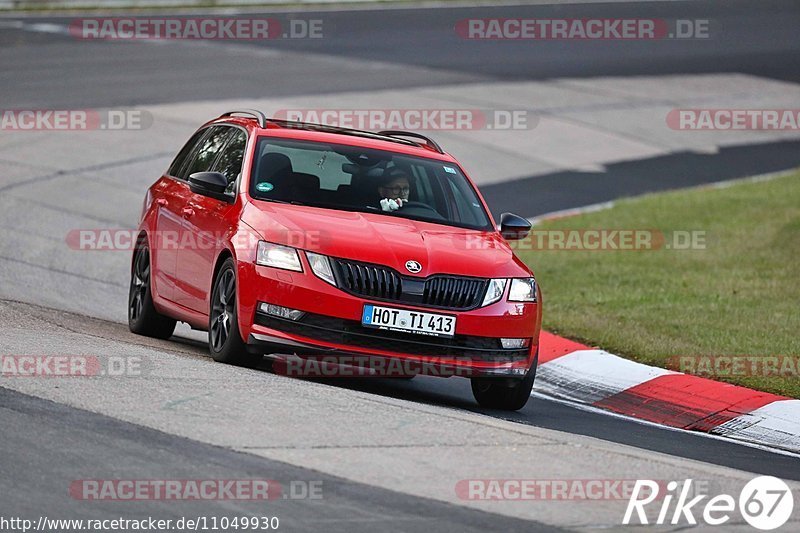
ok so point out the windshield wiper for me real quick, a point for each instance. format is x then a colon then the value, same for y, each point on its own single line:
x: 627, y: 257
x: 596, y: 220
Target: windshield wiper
x: 339, y: 207
x: 275, y: 200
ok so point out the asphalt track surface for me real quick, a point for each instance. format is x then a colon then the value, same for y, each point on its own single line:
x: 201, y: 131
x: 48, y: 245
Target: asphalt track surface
x: 35, y: 461
x: 757, y: 39
x: 44, y: 439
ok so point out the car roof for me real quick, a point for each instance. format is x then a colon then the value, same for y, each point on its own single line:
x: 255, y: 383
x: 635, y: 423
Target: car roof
x: 409, y: 143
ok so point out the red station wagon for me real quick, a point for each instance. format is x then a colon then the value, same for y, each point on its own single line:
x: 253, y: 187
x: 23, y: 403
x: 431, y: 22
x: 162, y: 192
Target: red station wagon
x: 291, y: 239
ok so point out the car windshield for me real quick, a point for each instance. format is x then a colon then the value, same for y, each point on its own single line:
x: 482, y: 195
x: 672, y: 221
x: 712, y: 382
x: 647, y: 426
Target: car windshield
x: 359, y: 179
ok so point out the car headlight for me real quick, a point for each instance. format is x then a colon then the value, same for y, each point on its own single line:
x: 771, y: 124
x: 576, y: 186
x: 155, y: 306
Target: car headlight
x: 277, y: 256
x: 321, y: 266
x: 522, y: 290
x: 495, y: 291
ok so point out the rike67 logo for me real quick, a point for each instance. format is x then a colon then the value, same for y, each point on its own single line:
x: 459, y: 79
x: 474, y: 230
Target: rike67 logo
x: 765, y: 503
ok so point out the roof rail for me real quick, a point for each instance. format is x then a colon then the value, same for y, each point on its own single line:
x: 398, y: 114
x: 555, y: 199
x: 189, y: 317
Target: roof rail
x: 398, y: 133
x: 258, y: 115
x: 325, y: 128
x: 388, y: 135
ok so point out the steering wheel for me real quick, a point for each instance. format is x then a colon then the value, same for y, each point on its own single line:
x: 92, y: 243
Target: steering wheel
x: 425, y: 209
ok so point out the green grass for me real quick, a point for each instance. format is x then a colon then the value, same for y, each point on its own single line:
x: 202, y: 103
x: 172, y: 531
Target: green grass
x: 738, y: 296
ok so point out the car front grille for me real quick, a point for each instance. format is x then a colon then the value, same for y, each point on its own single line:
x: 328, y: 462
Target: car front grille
x: 454, y: 292
x: 384, y: 283
x: 371, y: 281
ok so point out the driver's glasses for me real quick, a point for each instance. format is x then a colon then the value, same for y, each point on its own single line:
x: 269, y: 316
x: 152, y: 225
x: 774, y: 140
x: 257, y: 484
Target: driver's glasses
x: 398, y: 190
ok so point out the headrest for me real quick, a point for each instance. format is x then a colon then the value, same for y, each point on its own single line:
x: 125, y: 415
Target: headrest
x: 305, y: 181
x: 272, y: 165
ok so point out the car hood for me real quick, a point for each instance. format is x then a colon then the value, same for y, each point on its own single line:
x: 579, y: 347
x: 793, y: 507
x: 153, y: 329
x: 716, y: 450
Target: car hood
x: 386, y: 240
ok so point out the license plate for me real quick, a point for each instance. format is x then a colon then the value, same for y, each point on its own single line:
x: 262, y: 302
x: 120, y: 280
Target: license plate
x: 387, y: 318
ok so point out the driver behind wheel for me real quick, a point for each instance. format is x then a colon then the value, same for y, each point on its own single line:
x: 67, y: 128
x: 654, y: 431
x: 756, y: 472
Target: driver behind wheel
x: 393, y: 189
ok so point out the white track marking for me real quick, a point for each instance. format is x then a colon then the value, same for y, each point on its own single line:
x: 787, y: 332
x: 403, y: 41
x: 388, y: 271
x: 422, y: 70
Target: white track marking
x: 592, y: 375
x: 596, y: 410
x: 777, y: 423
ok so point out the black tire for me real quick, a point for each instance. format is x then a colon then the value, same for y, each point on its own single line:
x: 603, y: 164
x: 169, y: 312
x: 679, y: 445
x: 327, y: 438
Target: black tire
x: 143, y: 319
x: 224, y: 341
x: 499, y: 393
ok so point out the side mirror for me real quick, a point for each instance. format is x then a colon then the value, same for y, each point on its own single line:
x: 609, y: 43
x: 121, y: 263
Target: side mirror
x: 211, y: 184
x: 514, y: 227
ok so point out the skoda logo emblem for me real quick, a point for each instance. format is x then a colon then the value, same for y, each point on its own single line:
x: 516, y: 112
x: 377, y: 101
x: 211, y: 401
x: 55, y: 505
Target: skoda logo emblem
x: 413, y: 266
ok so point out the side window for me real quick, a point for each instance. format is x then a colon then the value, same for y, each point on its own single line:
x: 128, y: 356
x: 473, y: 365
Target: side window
x: 209, y: 148
x: 230, y: 160
x: 180, y: 159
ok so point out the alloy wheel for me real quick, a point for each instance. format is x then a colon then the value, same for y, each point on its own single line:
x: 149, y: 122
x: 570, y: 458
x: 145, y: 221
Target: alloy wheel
x: 222, y: 310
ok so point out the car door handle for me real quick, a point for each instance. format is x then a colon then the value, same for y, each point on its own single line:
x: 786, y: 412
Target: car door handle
x: 187, y: 212
x: 162, y: 202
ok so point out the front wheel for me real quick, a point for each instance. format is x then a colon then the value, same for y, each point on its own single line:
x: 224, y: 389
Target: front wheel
x: 224, y: 341
x: 143, y: 319
x: 497, y: 393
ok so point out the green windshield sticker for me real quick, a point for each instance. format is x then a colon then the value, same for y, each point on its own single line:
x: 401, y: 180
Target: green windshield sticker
x: 264, y: 186
x: 451, y: 170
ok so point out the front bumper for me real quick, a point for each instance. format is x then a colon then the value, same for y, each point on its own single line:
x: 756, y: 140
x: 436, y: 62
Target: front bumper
x: 331, y: 328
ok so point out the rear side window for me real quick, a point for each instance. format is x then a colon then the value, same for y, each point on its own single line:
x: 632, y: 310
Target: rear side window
x: 208, y: 151
x: 230, y: 160
x: 180, y: 159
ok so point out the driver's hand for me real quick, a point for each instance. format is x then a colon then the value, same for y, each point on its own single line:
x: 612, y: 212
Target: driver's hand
x: 391, y: 204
